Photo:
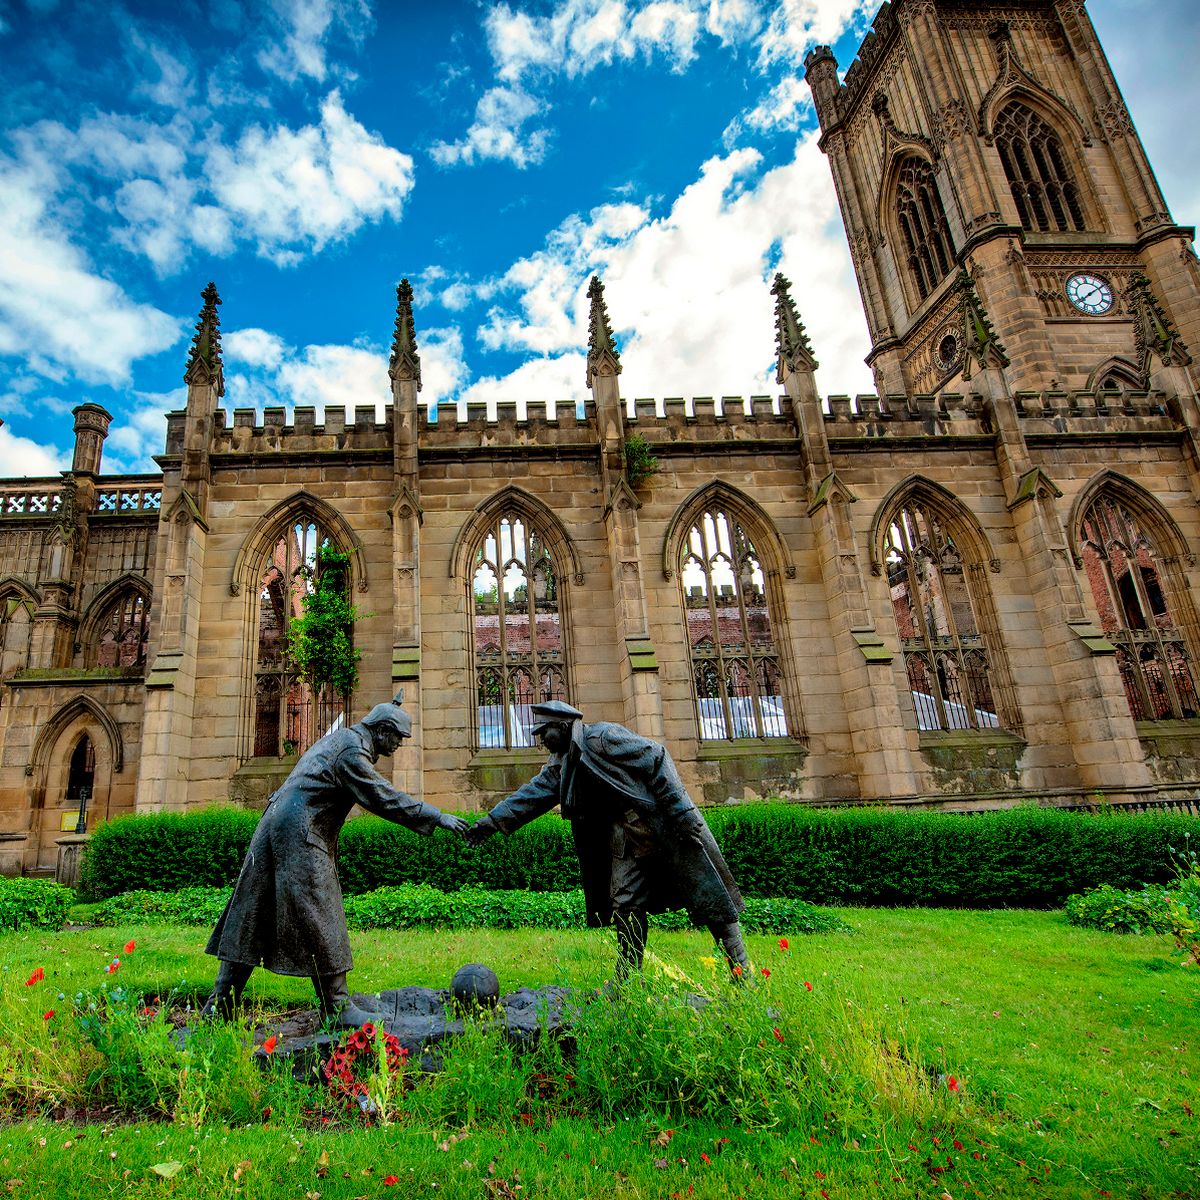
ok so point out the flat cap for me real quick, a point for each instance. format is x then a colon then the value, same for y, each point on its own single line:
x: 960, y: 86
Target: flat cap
x: 553, y: 712
x: 389, y: 713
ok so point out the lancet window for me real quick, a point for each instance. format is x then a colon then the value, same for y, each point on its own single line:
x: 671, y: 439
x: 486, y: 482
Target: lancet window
x: 1035, y: 165
x: 736, y: 676
x: 519, y: 646
x: 1124, y: 570
x: 927, y: 246
x: 16, y: 626
x: 287, y: 716
x: 81, y: 779
x: 947, y: 658
x: 124, y: 632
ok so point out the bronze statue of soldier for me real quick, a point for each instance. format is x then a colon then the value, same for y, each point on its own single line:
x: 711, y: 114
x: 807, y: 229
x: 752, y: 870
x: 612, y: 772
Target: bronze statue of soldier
x: 286, y: 909
x: 643, y: 845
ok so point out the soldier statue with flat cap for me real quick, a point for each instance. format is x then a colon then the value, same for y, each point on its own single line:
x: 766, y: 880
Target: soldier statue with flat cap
x: 286, y: 909
x: 643, y: 846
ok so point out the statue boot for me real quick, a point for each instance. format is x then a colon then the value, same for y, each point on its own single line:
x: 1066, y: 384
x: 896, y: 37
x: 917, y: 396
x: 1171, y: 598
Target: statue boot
x: 632, y: 927
x: 227, y: 991
x: 337, y: 1009
x: 729, y: 938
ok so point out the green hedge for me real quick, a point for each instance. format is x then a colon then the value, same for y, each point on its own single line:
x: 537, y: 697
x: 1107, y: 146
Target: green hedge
x: 411, y: 905
x: 1022, y: 858
x: 33, y: 904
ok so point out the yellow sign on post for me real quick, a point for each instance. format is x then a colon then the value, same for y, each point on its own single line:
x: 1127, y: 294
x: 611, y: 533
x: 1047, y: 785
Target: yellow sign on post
x: 68, y: 821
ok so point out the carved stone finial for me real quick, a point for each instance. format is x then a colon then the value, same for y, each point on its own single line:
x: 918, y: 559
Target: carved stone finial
x: 791, y: 342
x: 1153, y: 332
x: 204, y: 364
x: 981, y: 346
x: 603, y: 356
x: 405, y: 362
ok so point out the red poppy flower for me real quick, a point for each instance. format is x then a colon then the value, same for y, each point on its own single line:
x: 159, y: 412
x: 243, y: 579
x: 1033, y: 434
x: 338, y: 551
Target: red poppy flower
x: 783, y: 943
x: 270, y: 1044
x: 778, y: 1035
x: 391, y: 1180
x: 112, y: 967
x: 819, y: 1174
x: 825, y: 1194
x: 47, y: 1015
x: 37, y: 977
x: 130, y: 946
x: 953, y: 1084
x: 766, y: 973
x: 737, y: 971
x: 807, y: 986
x: 958, y: 1145
x: 705, y: 1159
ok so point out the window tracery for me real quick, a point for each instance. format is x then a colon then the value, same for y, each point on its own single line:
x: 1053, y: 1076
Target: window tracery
x: 736, y: 678
x: 1035, y: 164
x: 928, y: 247
x: 287, y: 717
x: 124, y: 631
x: 947, y: 658
x: 518, y: 640
x: 1124, y: 570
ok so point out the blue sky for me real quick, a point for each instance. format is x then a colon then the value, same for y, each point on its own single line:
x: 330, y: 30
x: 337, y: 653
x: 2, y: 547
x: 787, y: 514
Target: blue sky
x: 305, y: 154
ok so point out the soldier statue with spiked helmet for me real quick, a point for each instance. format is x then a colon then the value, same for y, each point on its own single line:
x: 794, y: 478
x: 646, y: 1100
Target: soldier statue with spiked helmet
x: 643, y: 845
x: 286, y: 909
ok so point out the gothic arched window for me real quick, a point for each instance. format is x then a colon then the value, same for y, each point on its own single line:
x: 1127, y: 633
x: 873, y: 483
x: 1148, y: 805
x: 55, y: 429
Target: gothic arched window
x: 736, y: 677
x: 947, y: 658
x: 81, y: 779
x: 16, y: 626
x: 1131, y: 597
x: 1043, y: 189
x: 124, y: 631
x: 287, y: 717
x: 928, y: 248
x: 518, y: 638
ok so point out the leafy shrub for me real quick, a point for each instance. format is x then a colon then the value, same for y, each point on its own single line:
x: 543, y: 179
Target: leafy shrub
x: 1117, y: 911
x: 413, y: 905
x: 33, y: 904
x: 1027, y: 857
x: 167, y: 851
x: 188, y: 906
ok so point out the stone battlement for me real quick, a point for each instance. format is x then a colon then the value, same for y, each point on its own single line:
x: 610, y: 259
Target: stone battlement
x: 668, y: 420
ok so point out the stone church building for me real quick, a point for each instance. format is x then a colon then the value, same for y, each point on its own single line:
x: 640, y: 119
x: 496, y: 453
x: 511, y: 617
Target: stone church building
x: 975, y: 587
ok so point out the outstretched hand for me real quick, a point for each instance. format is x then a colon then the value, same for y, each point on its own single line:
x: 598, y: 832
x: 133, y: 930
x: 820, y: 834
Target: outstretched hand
x: 452, y: 823
x: 479, y: 833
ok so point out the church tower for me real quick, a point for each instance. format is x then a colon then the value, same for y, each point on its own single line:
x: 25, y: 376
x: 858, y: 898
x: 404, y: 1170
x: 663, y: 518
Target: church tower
x: 993, y: 188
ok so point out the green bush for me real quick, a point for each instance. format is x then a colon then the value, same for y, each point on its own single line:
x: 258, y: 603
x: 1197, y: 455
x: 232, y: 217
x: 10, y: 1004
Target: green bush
x: 166, y: 851
x: 1115, y: 911
x: 33, y: 904
x: 411, y: 905
x: 1026, y: 857
x: 188, y: 906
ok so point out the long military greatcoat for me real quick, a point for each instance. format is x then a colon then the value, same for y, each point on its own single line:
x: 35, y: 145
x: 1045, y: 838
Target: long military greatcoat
x: 286, y: 908
x: 617, y: 788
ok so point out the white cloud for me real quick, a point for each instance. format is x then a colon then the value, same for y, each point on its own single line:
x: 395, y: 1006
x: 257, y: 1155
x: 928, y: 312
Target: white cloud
x: 140, y: 432
x: 296, y: 48
x: 174, y: 86
x: 795, y: 26
x: 21, y: 456
x: 297, y: 190
x: 560, y: 380
x: 688, y: 293
x: 55, y: 311
x: 578, y: 36
x: 255, y: 347
x: 348, y: 376
x: 497, y: 132
x: 782, y: 109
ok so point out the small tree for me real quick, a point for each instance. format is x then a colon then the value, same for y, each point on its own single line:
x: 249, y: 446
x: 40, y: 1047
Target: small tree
x: 322, y: 638
x: 640, y: 463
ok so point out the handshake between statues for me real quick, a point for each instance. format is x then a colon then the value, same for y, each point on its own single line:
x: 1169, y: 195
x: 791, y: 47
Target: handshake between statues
x: 643, y: 847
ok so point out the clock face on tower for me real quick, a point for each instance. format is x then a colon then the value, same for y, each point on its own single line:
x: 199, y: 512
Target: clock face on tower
x: 1090, y: 294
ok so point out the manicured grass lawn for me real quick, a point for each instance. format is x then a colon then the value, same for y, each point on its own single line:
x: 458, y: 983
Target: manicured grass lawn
x: 1074, y: 1051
